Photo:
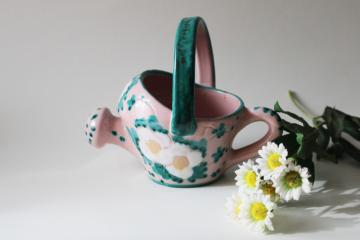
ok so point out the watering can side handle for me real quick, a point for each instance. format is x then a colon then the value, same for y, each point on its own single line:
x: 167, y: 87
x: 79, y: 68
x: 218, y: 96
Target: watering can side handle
x: 263, y: 114
x: 191, y: 37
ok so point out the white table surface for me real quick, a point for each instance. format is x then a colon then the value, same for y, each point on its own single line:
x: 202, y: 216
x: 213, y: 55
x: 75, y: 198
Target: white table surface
x: 59, y: 60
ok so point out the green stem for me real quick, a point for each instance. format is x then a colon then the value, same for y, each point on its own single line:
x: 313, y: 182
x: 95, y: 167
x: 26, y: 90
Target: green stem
x: 300, y: 106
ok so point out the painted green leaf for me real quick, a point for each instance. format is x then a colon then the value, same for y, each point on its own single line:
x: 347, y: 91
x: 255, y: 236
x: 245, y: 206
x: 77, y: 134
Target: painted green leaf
x: 199, y: 172
x: 216, y: 173
x: 131, y: 102
x: 219, y: 131
x: 152, y: 123
x: 218, y: 153
x: 124, y: 96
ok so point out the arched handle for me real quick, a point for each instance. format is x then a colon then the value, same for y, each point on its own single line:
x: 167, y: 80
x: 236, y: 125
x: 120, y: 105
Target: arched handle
x: 266, y: 115
x: 191, y: 36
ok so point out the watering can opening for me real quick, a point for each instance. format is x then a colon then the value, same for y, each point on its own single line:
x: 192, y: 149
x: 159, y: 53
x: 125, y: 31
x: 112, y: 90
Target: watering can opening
x: 210, y: 103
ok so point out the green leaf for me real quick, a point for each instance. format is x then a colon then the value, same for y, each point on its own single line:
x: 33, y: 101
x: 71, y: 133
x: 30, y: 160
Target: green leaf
x: 334, y: 121
x: 342, y: 121
x: 350, y: 149
x: 277, y: 108
x: 308, y: 145
x: 291, y: 127
x: 323, y: 138
x: 336, y: 150
x: 289, y: 142
x: 352, y: 127
x: 299, y: 138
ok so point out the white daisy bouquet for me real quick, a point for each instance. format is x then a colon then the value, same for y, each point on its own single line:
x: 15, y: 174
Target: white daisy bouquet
x: 284, y: 169
x: 263, y: 184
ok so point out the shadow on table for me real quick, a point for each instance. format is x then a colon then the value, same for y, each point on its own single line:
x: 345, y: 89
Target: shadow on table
x: 333, y: 203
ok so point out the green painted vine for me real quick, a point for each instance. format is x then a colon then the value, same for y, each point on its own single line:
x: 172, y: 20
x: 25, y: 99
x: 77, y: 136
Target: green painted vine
x: 151, y: 122
x: 124, y: 96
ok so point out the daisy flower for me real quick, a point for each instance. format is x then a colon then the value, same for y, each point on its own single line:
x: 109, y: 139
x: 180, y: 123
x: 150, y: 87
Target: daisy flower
x: 257, y: 211
x: 180, y: 160
x: 272, y: 159
x: 153, y: 144
x: 247, y: 177
x: 233, y: 205
x: 292, y: 182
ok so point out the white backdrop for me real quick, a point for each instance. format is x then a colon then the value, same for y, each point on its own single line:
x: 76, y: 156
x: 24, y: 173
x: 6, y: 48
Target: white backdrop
x: 59, y: 60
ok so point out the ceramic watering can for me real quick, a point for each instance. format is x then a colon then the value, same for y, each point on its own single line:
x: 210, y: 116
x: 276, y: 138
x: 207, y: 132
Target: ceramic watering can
x: 181, y: 130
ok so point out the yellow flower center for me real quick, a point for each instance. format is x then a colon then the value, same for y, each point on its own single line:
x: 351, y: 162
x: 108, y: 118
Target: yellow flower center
x: 180, y: 162
x: 293, y: 179
x: 250, y: 179
x: 273, y: 161
x: 153, y: 146
x: 258, y: 211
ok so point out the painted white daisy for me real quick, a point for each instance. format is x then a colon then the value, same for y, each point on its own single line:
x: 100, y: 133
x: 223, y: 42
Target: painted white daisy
x: 257, y: 211
x: 272, y: 159
x: 292, y: 182
x: 233, y: 205
x: 179, y: 160
x: 247, y: 177
x: 153, y: 144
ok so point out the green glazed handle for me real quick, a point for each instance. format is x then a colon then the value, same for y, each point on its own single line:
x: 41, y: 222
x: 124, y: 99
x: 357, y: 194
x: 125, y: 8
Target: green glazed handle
x: 192, y: 37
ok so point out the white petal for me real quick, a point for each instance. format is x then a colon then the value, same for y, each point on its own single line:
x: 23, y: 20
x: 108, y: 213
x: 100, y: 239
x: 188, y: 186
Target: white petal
x: 145, y: 150
x: 163, y: 138
x: 146, y: 134
x: 184, y: 173
x: 306, y: 187
x: 194, y: 157
x: 269, y: 226
x: 288, y: 196
x: 260, y: 226
x: 165, y: 157
x: 296, y: 193
x: 179, y: 149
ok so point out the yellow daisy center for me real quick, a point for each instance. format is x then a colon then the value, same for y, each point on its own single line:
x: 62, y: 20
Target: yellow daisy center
x: 273, y: 161
x: 250, y: 179
x: 258, y: 211
x: 153, y: 146
x: 293, y: 179
x: 180, y: 162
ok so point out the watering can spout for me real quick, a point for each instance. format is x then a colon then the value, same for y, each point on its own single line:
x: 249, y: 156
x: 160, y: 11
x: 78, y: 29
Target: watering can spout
x: 103, y: 127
